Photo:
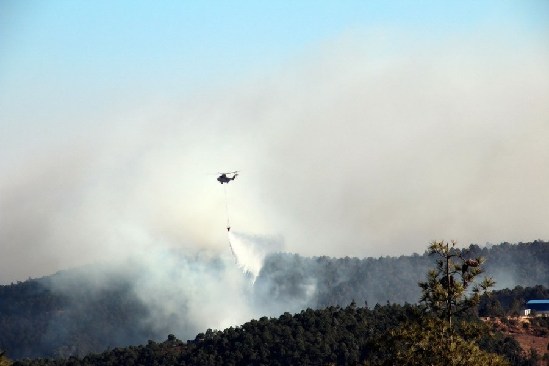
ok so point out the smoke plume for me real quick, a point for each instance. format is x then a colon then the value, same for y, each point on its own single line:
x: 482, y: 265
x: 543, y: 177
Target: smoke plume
x: 365, y: 145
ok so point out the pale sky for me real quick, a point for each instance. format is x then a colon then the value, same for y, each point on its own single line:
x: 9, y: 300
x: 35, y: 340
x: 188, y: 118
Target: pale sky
x: 362, y: 128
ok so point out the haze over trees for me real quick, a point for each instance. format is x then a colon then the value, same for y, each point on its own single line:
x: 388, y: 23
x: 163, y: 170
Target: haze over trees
x: 37, y: 319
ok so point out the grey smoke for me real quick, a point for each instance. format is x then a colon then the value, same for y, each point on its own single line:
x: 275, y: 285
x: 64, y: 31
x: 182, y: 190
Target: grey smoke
x: 362, y: 146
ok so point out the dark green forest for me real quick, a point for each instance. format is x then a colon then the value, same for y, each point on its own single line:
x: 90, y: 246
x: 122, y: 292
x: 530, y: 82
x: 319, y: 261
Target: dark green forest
x: 333, y: 335
x: 39, y: 320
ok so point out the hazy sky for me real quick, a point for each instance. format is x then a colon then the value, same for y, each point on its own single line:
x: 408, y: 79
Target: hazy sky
x: 362, y: 128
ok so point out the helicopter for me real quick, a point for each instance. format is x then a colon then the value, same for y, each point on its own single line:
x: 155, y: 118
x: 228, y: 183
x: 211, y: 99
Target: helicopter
x: 223, y: 178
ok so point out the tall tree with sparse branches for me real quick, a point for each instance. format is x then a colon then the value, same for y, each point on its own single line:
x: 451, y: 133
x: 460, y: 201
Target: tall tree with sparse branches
x: 450, y: 288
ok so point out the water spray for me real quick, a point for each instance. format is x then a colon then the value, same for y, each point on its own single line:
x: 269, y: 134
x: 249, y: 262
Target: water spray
x: 250, y: 251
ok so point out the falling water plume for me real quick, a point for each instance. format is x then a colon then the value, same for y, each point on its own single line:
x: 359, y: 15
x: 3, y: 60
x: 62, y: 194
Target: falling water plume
x: 250, y: 250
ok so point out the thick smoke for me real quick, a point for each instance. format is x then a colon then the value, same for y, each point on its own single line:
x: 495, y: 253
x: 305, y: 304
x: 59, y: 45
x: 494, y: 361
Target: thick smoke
x: 168, y: 292
x: 187, y: 294
x: 364, y: 146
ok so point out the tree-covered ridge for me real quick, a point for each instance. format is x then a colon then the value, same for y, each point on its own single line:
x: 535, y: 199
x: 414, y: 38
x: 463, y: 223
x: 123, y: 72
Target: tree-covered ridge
x: 329, y: 336
x: 91, y: 315
x: 338, y: 281
x: 37, y: 320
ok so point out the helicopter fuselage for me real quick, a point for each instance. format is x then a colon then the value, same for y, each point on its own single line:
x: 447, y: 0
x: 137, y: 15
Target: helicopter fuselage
x: 224, y: 179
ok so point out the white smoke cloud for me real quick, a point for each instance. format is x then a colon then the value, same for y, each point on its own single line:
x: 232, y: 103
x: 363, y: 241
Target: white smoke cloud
x: 187, y: 295
x: 364, y: 146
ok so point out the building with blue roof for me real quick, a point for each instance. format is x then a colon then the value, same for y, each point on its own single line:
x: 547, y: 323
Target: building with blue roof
x: 539, y: 306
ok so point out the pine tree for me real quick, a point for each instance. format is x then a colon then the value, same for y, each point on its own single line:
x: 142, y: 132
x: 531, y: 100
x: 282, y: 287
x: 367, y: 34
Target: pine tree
x: 433, y: 339
x: 446, y: 290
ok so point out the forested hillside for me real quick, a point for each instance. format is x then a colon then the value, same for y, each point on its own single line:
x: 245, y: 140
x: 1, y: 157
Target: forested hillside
x: 333, y: 335
x: 36, y: 320
x: 394, y: 279
x: 93, y: 313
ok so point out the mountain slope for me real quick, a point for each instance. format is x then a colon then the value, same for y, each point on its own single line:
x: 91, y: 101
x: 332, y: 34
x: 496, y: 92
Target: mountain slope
x: 91, y: 309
